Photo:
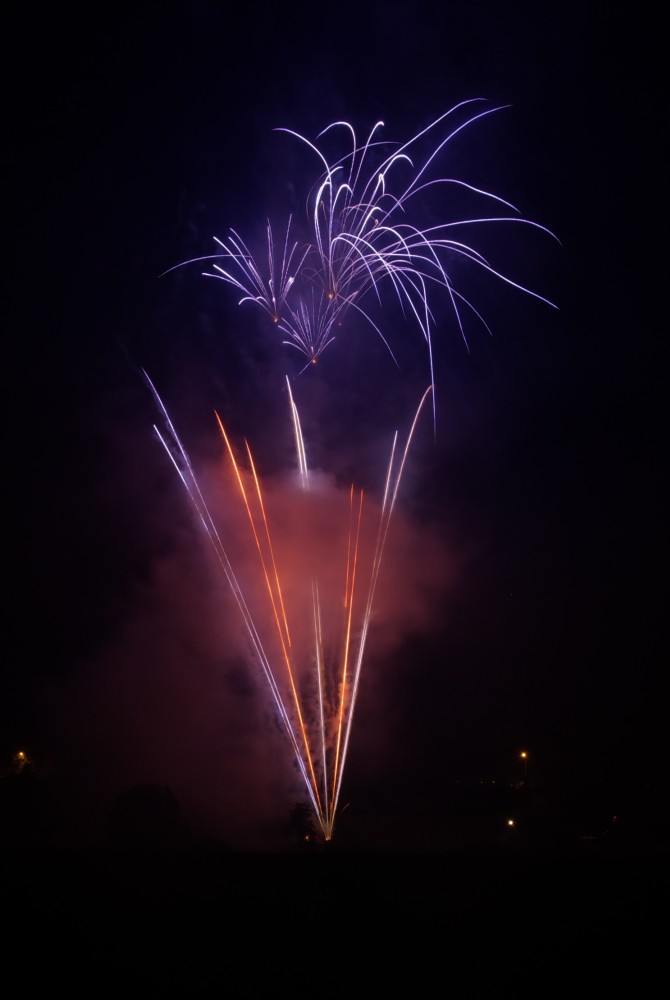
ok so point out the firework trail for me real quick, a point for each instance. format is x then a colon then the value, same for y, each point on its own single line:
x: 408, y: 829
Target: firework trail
x: 361, y: 240
x: 320, y: 739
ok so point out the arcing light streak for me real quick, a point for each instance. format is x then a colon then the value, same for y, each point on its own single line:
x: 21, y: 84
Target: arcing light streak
x: 319, y: 733
x: 361, y: 237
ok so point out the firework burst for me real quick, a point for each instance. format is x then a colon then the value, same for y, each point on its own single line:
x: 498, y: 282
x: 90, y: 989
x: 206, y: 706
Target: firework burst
x: 361, y: 238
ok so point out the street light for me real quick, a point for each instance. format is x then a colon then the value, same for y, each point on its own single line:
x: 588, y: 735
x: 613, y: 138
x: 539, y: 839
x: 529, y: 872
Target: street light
x: 524, y: 757
x: 20, y: 760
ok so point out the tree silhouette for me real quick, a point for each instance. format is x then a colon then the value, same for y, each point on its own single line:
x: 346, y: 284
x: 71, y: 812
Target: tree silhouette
x: 147, y: 817
x: 300, y: 826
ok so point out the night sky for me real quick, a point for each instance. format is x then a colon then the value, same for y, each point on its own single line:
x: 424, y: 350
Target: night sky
x: 520, y: 606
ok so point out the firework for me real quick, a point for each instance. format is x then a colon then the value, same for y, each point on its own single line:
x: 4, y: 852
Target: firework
x: 361, y: 241
x: 361, y: 238
x: 315, y: 687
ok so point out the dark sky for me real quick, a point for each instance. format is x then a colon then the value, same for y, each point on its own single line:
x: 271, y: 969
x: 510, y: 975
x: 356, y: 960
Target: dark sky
x: 520, y: 605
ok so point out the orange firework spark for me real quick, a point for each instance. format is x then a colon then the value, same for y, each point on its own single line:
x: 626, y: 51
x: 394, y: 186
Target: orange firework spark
x: 326, y: 726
